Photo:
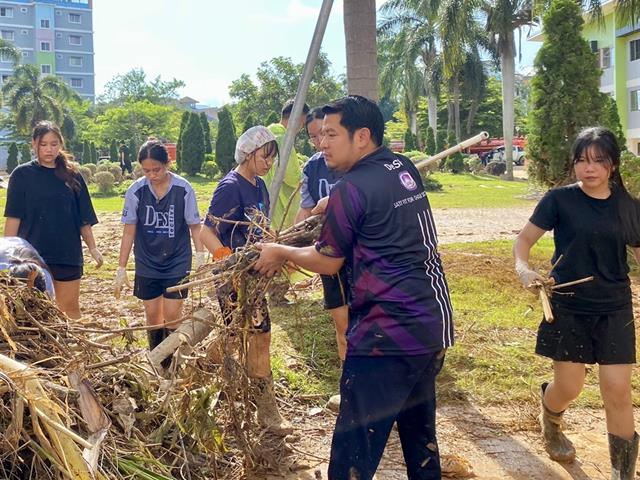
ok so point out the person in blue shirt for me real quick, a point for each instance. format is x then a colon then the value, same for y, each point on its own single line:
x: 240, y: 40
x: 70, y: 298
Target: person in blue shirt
x: 317, y: 181
x: 21, y: 260
x: 160, y: 218
x: 242, y: 197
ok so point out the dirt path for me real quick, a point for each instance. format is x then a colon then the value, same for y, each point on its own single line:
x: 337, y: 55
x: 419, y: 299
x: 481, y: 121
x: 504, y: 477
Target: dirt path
x: 499, y: 442
x: 479, y: 224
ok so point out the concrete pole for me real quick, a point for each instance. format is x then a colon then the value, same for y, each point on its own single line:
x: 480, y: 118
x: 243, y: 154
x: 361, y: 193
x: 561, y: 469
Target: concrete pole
x: 301, y: 96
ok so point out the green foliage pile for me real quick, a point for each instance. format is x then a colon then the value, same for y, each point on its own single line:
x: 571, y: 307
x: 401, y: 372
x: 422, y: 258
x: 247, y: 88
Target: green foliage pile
x: 565, y: 96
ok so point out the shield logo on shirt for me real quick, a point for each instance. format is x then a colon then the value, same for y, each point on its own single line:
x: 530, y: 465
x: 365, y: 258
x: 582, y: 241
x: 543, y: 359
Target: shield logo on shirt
x: 407, y: 180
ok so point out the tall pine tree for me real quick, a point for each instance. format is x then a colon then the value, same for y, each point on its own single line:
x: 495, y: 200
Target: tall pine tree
x: 86, y: 152
x: 565, y: 94
x: 206, y: 130
x: 25, y: 153
x: 192, y: 146
x: 113, y: 152
x: 249, y: 122
x: 12, y: 158
x: 611, y: 119
x: 226, y: 141
x: 183, y: 125
x: 94, y: 153
x: 430, y: 143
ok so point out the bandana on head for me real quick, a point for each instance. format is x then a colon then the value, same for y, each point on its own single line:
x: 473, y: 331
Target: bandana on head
x: 252, y: 140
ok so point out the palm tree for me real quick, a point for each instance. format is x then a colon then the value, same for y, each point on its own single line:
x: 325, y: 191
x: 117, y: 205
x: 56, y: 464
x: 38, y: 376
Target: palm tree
x: 360, y: 36
x: 8, y: 50
x: 33, y: 97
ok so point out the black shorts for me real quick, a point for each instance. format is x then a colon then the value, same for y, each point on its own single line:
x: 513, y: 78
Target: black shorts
x: 65, y: 273
x: 228, y: 299
x: 146, y: 288
x: 335, y: 289
x: 605, y: 339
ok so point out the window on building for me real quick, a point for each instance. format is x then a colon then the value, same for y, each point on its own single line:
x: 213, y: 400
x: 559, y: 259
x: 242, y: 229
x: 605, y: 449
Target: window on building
x: 75, y: 40
x: 7, y: 35
x: 45, y: 69
x: 45, y: 46
x: 77, y: 82
x: 4, y: 78
x: 75, y: 61
x: 604, y: 55
x: 24, y: 32
x: 4, y: 58
x: 635, y: 100
x: 24, y: 9
x: 25, y: 53
x: 44, y: 23
x: 75, y: 18
x: 6, y: 12
x: 634, y: 46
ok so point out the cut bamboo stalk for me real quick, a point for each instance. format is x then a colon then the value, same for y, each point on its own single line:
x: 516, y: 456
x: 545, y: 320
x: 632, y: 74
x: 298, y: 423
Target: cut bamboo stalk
x: 189, y: 334
x: 570, y: 284
x: 546, y: 305
x: 450, y: 151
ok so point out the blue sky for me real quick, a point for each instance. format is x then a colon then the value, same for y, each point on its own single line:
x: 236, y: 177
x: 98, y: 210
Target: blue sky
x: 210, y: 43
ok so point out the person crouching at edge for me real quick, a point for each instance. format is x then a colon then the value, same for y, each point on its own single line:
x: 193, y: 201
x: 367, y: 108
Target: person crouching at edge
x: 160, y: 218
x: 242, y: 196
x: 379, y: 223
x: 593, y: 222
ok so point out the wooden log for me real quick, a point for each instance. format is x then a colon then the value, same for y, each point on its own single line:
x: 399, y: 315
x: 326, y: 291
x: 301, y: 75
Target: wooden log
x: 189, y: 334
x: 450, y: 151
x: 546, y: 305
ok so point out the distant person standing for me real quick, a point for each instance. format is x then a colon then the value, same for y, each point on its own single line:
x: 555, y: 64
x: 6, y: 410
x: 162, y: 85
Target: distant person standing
x: 125, y: 158
x: 317, y: 181
x: 293, y: 172
x: 48, y: 204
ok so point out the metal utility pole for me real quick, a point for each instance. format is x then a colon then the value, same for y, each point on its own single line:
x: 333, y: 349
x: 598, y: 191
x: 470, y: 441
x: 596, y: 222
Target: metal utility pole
x: 301, y: 96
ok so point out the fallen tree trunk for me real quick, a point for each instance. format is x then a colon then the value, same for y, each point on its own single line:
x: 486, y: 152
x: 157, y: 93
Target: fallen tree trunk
x: 188, y: 334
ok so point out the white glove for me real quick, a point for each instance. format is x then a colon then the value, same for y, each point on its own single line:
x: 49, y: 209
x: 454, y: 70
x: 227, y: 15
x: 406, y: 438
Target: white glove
x: 120, y: 280
x: 97, y: 256
x: 201, y: 259
x: 530, y: 279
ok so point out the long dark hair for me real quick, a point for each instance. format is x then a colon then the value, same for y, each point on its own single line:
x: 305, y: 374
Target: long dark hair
x: 606, y: 144
x: 65, y: 170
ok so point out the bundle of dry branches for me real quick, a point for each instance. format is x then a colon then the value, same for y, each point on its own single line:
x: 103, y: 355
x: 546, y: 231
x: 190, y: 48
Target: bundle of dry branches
x: 84, y: 400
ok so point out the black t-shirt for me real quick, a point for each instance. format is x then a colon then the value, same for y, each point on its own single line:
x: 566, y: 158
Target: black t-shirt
x: 124, y: 155
x: 50, y: 212
x: 379, y: 219
x: 586, y: 232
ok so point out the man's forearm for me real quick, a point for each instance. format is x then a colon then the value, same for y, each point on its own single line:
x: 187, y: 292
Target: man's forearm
x: 309, y: 258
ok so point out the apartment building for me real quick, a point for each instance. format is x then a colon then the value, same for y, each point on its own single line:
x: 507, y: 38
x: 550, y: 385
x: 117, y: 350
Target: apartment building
x: 55, y: 35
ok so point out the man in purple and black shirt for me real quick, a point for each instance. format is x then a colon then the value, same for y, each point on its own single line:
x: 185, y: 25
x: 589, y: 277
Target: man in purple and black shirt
x: 379, y: 224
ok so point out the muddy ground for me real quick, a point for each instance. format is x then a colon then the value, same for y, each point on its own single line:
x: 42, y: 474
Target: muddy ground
x: 499, y: 442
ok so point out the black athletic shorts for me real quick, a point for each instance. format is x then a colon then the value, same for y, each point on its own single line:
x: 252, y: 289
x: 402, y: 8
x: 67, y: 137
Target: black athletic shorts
x: 146, y: 288
x: 606, y: 339
x: 335, y: 289
x: 228, y: 299
x: 65, y: 273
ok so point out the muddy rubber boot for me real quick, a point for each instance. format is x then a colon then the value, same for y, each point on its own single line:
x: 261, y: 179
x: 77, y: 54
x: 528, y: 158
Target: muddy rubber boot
x: 268, y: 415
x: 623, y: 455
x: 557, y: 445
x: 156, y: 337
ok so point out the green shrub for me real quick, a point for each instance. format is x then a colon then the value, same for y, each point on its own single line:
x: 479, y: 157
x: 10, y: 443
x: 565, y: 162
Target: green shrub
x: 116, y: 171
x: 210, y: 169
x: 103, y: 166
x: 91, y: 167
x: 412, y: 153
x: 137, y: 171
x: 630, y: 171
x: 496, y: 168
x: 105, y: 181
x: 86, y: 173
x: 430, y: 183
x: 473, y: 164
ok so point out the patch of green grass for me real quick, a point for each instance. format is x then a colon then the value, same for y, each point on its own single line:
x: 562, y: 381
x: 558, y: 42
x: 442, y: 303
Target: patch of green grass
x: 496, y: 320
x: 472, y: 191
